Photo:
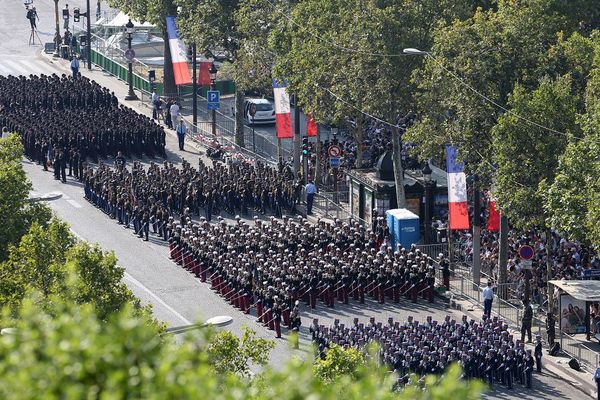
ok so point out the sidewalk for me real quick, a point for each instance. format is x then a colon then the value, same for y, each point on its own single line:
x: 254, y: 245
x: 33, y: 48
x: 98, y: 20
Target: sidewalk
x: 558, y: 366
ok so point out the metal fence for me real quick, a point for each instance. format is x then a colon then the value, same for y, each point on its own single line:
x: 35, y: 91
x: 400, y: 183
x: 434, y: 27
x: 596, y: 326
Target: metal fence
x: 330, y: 209
x: 434, y: 250
x: 512, y: 315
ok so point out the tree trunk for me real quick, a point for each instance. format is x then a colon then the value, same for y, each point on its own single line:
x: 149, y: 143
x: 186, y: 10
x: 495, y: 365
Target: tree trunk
x: 549, y: 275
x: 358, y: 134
x: 398, y: 172
x: 239, y: 117
x: 476, y: 233
x: 503, y: 256
x: 169, y: 87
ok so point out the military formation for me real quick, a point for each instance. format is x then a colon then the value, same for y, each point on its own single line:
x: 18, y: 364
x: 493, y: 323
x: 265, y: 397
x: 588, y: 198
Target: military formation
x: 484, y: 349
x: 274, y: 265
x: 267, y: 267
x: 152, y: 197
x: 65, y: 121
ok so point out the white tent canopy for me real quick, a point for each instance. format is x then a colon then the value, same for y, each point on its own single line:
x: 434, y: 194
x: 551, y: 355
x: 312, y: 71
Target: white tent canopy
x: 121, y: 19
x: 581, y: 290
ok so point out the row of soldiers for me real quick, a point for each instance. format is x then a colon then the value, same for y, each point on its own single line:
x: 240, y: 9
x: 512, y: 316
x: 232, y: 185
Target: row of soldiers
x: 141, y: 195
x: 74, y: 119
x: 287, y: 261
x: 485, y: 350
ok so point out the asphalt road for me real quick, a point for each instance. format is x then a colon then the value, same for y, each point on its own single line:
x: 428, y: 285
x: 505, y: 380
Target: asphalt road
x: 176, y: 296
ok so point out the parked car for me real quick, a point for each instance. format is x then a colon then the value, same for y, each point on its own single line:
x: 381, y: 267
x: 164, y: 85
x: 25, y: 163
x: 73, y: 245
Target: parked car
x: 264, y: 111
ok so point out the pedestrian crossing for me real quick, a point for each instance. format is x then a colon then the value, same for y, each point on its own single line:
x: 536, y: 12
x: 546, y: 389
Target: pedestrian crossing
x: 10, y: 65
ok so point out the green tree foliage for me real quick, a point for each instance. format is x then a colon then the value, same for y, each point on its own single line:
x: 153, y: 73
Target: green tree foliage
x: 16, y: 214
x: 527, y: 155
x: 491, y: 52
x: 229, y: 354
x: 51, y: 262
x: 339, y: 361
x: 73, y: 354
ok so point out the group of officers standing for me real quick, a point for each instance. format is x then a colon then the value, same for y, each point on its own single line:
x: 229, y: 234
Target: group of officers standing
x: 484, y: 349
x: 64, y: 121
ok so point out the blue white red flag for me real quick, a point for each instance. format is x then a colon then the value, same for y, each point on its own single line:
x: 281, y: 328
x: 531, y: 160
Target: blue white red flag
x: 458, y: 205
x: 282, y: 110
x: 178, y: 54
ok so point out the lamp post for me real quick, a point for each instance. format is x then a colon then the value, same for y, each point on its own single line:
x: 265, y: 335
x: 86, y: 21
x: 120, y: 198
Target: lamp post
x: 427, y: 185
x: 129, y: 29
x: 218, y: 321
x: 213, y: 86
x: 57, y: 38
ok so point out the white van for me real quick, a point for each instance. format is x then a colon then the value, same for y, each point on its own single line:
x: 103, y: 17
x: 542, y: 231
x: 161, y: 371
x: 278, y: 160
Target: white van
x: 265, y: 112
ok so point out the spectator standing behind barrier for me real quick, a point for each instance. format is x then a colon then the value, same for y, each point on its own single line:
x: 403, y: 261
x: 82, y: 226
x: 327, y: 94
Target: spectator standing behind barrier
x: 154, y: 100
x: 66, y: 15
x: 488, y: 298
x: 526, y: 322
x: 311, y: 190
x: 174, y: 111
x: 181, y: 130
x: 75, y: 66
x: 550, y: 328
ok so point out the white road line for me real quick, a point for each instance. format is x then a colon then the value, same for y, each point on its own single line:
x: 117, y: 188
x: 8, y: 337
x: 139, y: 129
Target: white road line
x: 139, y: 284
x: 17, y: 67
x: 74, y: 203
x: 158, y: 299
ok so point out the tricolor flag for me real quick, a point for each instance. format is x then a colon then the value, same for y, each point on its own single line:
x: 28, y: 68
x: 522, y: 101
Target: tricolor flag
x: 311, y: 126
x: 457, y: 191
x: 178, y: 54
x: 282, y: 110
x: 493, y: 223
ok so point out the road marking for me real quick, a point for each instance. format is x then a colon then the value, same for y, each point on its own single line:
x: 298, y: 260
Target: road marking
x: 127, y: 276
x: 158, y: 299
x: 74, y: 203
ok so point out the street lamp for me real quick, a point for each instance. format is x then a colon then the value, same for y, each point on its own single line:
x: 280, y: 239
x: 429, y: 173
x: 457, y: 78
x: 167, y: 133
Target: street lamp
x: 427, y: 183
x: 129, y: 29
x: 218, y: 321
x: 213, y: 86
x: 411, y: 51
x: 57, y: 38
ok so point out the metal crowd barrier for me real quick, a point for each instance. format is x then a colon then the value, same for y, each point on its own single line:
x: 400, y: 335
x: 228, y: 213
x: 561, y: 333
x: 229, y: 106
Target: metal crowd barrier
x: 512, y: 315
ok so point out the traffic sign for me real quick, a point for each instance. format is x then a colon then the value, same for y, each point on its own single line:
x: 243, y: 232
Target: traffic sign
x: 526, y: 252
x: 213, y: 99
x: 334, y: 162
x: 130, y: 54
x: 526, y: 264
x: 334, y: 151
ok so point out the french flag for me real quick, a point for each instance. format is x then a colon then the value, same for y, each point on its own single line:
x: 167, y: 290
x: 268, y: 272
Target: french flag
x: 282, y: 110
x: 178, y: 54
x: 457, y: 191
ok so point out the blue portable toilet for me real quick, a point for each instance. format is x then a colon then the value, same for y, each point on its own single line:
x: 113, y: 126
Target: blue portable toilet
x: 404, y: 227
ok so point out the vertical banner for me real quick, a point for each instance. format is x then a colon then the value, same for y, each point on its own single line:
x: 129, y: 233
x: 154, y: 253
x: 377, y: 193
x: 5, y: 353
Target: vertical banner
x: 282, y: 110
x: 458, y: 206
x: 311, y: 126
x: 493, y: 217
x: 178, y: 54
x: 204, y: 75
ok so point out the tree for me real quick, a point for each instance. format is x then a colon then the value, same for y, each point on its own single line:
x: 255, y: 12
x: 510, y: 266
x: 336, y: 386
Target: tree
x: 486, y: 53
x: 573, y: 200
x: 229, y: 354
x: 527, y: 155
x: 74, y: 354
x: 237, y: 31
x: 154, y: 12
x: 51, y: 262
x: 16, y: 214
x: 339, y: 361
x: 343, y: 59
